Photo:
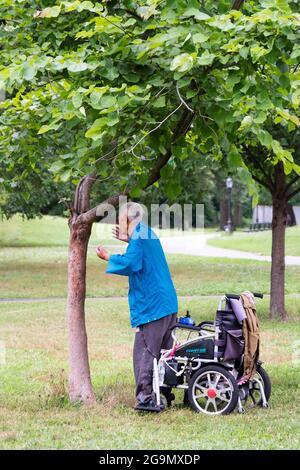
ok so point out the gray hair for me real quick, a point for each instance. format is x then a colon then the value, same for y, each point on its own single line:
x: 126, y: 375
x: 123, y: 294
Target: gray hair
x: 133, y: 210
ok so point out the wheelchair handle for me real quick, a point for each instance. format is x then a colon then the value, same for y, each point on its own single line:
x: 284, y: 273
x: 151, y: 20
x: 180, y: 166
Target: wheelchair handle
x: 235, y: 296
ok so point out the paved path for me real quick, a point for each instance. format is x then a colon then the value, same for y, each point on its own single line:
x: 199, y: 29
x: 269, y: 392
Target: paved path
x: 197, y: 245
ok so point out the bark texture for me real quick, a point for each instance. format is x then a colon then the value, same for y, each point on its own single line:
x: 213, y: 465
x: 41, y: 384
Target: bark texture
x: 80, y: 386
x: 279, y: 223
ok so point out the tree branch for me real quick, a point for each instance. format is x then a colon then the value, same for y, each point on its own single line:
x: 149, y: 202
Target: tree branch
x: 267, y: 182
x: 262, y: 182
x: 134, y: 15
x: 237, y: 4
x: 182, y: 100
x: 91, y: 216
x: 82, y: 193
x: 290, y: 184
x: 293, y: 193
x: 181, y: 129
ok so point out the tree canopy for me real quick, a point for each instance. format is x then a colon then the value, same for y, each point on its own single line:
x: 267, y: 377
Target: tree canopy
x: 114, y: 86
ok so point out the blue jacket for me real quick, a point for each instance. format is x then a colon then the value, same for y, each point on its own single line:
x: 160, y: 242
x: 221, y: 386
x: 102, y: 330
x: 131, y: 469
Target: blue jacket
x: 151, y: 291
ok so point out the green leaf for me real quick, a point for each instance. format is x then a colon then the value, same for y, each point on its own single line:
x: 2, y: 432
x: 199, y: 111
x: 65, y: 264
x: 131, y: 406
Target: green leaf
x: 285, y: 114
x: 199, y: 38
x: 160, y: 102
x: 182, y: 62
x: 173, y: 189
x: 234, y: 157
x: 76, y: 67
x: 246, y: 123
x: 49, y: 127
x: 86, y: 5
x: 85, y: 34
x: 77, y: 100
x: 26, y: 195
x: 29, y: 71
x: 284, y: 155
x: 199, y: 15
x: 5, y: 74
x: 206, y: 58
x: 296, y: 168
x: 244, y: 51
x: 57, y: 166
x: 107, y: 101
x: 257, y: 52
x: 66, y: 175
x: 295, y: 53
x: 147, y: 11
x: 135, y: 192
x: 296, y: 98
x: 265, y: 138
x: 260, y: 118
x: 49, y: 12
x: 96, y: 96
x: 113, y: 119
x: 95, y: 130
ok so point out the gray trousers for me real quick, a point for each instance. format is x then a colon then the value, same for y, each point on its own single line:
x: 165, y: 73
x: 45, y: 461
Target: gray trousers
x: 149, y: 340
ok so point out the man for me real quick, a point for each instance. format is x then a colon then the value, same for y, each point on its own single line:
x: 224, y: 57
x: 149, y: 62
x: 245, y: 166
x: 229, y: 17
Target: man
x: 152, y: 297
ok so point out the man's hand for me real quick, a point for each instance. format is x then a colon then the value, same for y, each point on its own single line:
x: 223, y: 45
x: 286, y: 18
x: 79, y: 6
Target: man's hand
x: 123, y: 237
x: 102, y: 253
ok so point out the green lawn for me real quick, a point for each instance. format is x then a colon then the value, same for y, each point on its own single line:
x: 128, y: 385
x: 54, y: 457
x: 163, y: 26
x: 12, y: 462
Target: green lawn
x: 34, y: 410
x: 45, y: 232
x: 53, y: 231
x: 258, y: 242
x: 42, y: 272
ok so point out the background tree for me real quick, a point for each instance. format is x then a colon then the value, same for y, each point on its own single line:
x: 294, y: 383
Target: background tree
x: 283, y: 188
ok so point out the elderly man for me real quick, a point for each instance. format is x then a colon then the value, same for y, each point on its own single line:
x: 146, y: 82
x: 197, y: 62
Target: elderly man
x: 152, y: 297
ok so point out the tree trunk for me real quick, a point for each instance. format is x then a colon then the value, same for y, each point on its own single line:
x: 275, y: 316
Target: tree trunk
x: 291, y: 218
x: 80, y: 386
x: 279, y: 221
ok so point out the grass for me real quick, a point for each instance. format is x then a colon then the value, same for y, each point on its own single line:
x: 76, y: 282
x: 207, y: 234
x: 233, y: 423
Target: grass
x: 35, y: 413
x: 42, y: 272
x: 45, y: 232
x: 53, y: 231
x: 34, y: 410
x: 258, y: 242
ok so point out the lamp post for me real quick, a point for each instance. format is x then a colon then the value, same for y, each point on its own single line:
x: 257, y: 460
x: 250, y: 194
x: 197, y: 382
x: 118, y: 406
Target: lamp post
x: 229, y: 184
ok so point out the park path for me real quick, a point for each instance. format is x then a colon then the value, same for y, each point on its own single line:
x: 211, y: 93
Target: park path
x: 197, y: 245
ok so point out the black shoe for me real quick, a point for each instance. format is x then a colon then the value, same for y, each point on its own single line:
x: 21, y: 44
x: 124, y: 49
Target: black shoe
x: 169, y: 398
x: 168, y: 395
x: 149, y: 406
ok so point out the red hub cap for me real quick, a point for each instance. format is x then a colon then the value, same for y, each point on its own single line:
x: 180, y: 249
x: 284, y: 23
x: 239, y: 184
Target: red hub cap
x: 211, y: 393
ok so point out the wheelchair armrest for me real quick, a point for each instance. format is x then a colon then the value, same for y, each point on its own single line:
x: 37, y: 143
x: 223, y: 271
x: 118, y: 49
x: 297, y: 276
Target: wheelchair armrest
x: 206, y: 323
x: 186, y: 327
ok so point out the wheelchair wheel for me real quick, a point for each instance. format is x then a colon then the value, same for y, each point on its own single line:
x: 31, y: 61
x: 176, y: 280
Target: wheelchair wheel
x: 213, y: 390
x: 260, y: 377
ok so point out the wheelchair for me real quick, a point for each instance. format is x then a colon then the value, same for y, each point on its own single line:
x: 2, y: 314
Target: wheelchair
x: 208, y: 366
